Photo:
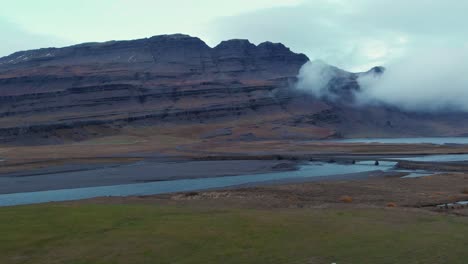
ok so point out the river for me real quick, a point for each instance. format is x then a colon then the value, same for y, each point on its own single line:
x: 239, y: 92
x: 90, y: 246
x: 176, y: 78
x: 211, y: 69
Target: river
x: 306, y: 172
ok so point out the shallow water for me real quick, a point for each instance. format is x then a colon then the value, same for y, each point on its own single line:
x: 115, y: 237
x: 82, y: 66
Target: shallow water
x: 416, y: 173
x: 438, y: 158
x: 308, y: 171
x: 453, y: 204
x: 420, y: 140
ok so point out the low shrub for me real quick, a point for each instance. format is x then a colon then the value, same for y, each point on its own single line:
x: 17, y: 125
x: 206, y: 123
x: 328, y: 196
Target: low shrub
x: 346, y: 199
x: 191, y: 194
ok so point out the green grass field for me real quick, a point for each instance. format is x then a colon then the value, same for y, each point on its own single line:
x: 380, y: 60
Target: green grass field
x: 101, y: 234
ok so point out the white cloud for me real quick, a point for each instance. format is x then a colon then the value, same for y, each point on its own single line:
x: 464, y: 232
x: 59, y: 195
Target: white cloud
x: 429, y: 80
x: 432, y: 79
x: 314, y: 78
x: 354, y: 35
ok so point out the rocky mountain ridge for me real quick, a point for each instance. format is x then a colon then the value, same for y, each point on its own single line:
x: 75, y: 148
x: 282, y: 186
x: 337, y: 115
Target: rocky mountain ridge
x: 97, y: 89
x: 164, y: 78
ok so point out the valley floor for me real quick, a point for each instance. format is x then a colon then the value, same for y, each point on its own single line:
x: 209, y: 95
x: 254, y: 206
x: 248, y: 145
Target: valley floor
x: 382, y: 220
x: 363, y: 220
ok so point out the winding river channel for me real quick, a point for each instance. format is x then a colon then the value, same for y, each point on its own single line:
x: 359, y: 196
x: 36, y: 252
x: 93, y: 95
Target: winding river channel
x: 311, y: 171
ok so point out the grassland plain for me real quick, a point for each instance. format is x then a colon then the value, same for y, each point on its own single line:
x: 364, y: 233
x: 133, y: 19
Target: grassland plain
x: 84, y: 233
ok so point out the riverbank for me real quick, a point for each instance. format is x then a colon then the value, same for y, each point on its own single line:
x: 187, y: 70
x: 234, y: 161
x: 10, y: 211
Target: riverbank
x: 374, y: 192
x: 146, y: 171
x: 159, y: 174
x: 109, y: 151
x: 364, y: 220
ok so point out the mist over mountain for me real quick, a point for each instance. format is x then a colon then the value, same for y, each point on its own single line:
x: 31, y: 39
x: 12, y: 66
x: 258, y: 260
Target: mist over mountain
x: 427, y: 80
x: 235, y: 90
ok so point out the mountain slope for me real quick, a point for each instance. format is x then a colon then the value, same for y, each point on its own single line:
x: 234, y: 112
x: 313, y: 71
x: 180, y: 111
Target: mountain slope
x: 163, y: 78
x: 236, y: 90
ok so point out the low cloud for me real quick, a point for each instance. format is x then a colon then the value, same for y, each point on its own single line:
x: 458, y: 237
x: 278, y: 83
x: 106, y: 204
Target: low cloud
x: 314, y: 78
x: 427, y: 80
x: 353, y: 35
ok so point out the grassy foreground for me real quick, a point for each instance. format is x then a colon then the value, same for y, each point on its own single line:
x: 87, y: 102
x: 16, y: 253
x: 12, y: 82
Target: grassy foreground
x: 86, y: 234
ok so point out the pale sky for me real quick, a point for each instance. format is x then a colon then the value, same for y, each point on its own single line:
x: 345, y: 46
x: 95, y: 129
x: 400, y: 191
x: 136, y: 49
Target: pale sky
x: 352, y: 34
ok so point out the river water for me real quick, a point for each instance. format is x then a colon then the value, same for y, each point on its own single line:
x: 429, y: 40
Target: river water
x: 315, y: 169
x: 417, y: 140
x: 307, y: 172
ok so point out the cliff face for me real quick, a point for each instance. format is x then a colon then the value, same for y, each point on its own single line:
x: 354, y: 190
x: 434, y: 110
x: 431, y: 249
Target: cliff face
x: 157, y: 59
x: 163, y: 78
x: 178, y: 79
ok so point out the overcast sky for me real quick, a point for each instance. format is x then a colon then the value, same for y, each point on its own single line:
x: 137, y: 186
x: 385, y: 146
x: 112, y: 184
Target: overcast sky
x: 354, y: 35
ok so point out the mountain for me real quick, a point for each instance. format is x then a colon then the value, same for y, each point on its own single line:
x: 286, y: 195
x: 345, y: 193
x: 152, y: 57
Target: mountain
x: 236, y: 90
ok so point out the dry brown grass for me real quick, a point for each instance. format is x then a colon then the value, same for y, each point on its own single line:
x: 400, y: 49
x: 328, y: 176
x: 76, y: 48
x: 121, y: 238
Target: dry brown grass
x: 346, y: 199
x: 454, y: 198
